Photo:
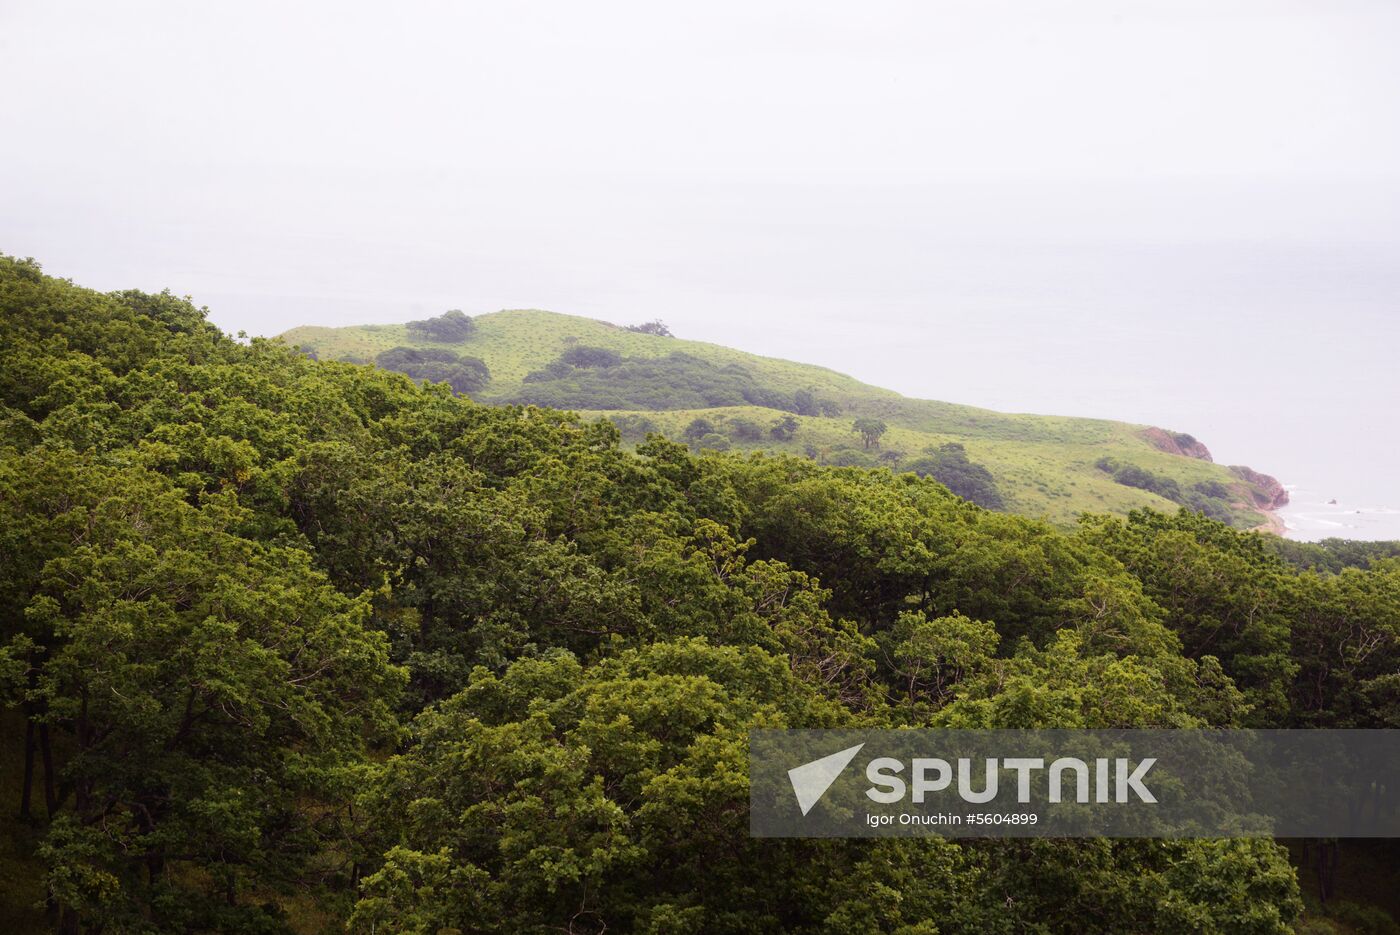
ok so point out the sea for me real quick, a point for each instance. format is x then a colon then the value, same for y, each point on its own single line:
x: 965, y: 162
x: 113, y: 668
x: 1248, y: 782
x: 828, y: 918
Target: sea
x: 1314, y: 514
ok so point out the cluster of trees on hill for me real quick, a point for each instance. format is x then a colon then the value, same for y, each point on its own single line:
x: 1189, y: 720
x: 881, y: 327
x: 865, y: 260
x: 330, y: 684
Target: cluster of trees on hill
x: 1334, y: 554
x: 655, y: 327
x: 599, y: 378
x: 306, y: 644
x: 1209, y: 497
x: 451, y: 327
x: 947, y: 463
x: 950, y: 466
x: 465, y: 374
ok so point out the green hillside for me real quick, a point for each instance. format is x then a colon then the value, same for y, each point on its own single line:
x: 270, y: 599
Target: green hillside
x: 1046, y: 466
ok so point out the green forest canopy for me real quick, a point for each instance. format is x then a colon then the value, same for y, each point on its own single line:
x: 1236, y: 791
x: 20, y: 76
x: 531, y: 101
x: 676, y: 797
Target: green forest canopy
x: 312, y: 644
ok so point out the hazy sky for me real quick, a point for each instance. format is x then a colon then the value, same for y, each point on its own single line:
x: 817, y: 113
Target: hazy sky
x: 1184, y: 213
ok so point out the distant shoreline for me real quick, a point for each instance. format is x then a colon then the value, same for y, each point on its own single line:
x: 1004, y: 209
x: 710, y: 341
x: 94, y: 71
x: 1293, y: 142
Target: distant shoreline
x: 1273, y: 525
x: 1312, y: 516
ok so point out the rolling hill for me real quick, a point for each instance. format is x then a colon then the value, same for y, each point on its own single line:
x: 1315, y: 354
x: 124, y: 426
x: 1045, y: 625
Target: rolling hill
x: 717, y: 397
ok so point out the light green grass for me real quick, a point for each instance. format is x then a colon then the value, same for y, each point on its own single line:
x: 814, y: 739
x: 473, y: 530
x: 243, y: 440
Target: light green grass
x: 1044, y: 465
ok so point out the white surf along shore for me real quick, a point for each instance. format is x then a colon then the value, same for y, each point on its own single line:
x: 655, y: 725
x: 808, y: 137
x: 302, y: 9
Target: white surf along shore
x: 1314, y: 514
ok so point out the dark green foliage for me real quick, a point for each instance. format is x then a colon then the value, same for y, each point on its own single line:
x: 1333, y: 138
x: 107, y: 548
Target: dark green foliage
x: 850, y: 457
x: 452, y: 327
x: 655, y: 327
x: 590, y: 357
x: 870, y: 431
x: 949, y: 465
x: 464, y: 374
x: 312, y: 635
x: 746, y: 430
x: 783, y: 429
x: 1333, y: 555
x: 803, y: 404
x: 698, y: 428
x: 1212, y: 488
x: 633, y: 427
x: 713, y: 441
x: 1208, y: 497
x: 677, y: 381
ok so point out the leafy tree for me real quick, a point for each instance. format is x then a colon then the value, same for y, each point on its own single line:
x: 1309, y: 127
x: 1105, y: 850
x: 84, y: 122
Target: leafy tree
x: 698, y: 428
x: 451, y: 327
x: 850, y: 457
x: 633, y: 425
x: 629, y: 777
x: 928, y: 659
x: 803, y: 403
x: 783, y: 429
x: 1222, y: 593
x: 870, y: 431
x: 745, y: 429
x: 949, y: 465
x: 215, y: 693
x: 714, y: 441
x: 655, y: 327
x: 581, y: 356
x: 464, y: 374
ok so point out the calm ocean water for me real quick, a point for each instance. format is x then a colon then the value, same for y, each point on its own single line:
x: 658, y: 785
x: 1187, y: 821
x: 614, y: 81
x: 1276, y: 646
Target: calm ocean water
x: 1312, y: 515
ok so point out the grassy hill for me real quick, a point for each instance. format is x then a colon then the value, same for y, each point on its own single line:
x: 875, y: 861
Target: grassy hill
x: 1049, y: 466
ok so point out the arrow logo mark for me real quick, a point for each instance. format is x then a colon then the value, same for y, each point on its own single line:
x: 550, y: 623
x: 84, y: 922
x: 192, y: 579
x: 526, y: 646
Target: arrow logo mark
x: 811, y: 780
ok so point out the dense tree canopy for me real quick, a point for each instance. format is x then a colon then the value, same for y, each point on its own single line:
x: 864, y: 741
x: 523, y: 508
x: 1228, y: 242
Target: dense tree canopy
x: 451, y: 327
x: 950, y: 466
x: 596, y: 378
x: 315, y: 644
x: 463, y: 373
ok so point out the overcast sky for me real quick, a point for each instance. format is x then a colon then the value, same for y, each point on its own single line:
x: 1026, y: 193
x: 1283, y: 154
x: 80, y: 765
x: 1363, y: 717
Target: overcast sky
x: 1184, y: 213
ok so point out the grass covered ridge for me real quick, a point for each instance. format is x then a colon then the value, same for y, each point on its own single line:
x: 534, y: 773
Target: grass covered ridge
x: 1043, y: 466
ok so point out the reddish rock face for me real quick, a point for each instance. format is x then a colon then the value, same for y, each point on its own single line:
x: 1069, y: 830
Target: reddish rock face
x: 1177, y: 443
x: 1266, y: 492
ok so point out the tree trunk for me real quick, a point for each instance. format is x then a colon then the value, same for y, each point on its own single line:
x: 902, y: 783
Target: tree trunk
x: 27, y: 788
x: 1326, y: 869
x: 67, y: 922
x: 46, y: 751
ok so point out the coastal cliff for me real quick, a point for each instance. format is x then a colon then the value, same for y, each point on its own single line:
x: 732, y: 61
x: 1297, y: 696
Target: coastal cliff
x: 1177, y: 443
x: 1264, y: 490
x: 1253, y: 489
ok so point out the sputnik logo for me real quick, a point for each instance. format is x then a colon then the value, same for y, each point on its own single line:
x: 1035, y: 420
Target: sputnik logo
x: 811, y: 780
